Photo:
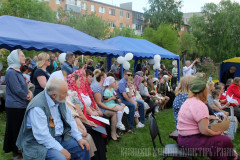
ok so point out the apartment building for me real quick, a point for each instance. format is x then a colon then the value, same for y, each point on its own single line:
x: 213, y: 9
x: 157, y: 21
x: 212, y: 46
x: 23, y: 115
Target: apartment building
x: 186, y: 16
x: 122, y: 16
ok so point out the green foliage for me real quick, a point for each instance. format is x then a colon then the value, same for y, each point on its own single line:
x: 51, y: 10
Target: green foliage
x: 188, y: 44
x: 31, y: 9
x: 89, y: 24
x: 125, y: 32
x: 217, y: 30
x: 165, y: 36
x: 164, y: 11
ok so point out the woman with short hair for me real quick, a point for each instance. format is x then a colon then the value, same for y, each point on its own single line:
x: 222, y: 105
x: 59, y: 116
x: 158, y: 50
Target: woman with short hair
x: 41, y: 76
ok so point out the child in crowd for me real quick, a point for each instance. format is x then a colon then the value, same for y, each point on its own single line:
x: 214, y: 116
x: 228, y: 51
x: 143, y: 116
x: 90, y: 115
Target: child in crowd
x: 109, y: 100
x: 216, y: 95
x: 131, y: 92
x: 211, y: 103
x: 24, y: 70
x: 152, y: 90
x: 162, y: 89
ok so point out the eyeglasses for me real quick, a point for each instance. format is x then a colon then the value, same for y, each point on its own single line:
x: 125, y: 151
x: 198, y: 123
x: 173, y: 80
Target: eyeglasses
x: 129, y: 75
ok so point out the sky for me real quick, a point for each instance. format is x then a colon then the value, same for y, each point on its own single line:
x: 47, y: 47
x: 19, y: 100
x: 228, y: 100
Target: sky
x: 188, y: 5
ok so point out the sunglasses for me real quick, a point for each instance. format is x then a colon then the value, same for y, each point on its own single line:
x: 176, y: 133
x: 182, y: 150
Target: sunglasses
x: 129, y: 75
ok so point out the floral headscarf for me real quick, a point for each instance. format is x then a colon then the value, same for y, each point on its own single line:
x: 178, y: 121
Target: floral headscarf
x: 137, y: 81
x: 72, y: 85
x: 84, y: 87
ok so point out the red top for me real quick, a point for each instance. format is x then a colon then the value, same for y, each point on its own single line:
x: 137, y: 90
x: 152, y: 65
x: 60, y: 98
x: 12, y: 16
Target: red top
x: 235, y: 91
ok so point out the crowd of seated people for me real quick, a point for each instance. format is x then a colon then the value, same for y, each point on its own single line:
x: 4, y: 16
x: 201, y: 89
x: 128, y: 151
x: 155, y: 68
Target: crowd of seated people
x: 197, y: 103
x: 57, y: 118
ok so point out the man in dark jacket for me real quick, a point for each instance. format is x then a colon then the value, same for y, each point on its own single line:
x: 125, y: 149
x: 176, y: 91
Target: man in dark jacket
x: 228, y: 74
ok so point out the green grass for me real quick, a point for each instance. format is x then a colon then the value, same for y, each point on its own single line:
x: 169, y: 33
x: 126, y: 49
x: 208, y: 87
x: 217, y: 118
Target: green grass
x: 131, y: 146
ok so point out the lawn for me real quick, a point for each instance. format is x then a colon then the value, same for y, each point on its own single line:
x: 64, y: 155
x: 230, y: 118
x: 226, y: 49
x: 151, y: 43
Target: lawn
x: 131, y: 146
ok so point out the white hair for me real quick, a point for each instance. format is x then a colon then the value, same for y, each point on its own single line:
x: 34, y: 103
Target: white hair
x: 187, y: 62
x: 53, y: 85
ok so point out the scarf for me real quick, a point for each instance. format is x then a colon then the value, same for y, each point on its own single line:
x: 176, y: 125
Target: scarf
x: 137, y: 81
x: 13, y: 60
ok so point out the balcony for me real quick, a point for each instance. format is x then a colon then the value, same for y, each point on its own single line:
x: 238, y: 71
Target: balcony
x: 74, y: 8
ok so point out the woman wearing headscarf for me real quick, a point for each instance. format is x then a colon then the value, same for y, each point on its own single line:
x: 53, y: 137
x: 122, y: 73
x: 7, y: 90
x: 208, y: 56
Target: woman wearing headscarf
x: 41, y: 76
x: 77, y: 86
x: 193, y: 120
x: 17, y: 98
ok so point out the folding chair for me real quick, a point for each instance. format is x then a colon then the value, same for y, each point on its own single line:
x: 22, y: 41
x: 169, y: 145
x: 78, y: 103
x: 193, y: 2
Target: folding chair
x: 170, y: 150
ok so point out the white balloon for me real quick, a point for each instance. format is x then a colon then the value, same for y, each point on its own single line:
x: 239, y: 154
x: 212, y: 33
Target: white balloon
x: 151, y: 61
x: 62, y: 58
x: 174, y: 62
x: 157, y: 57
x: 126, y: 65
x: 120, y: 59
x: 157, y: 65
x: 129, y: 56
x: 154, y: 67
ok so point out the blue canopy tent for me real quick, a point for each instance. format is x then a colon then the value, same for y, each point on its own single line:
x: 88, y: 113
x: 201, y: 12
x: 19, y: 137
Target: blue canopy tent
x: 141, y: 48
x: 41, y: 36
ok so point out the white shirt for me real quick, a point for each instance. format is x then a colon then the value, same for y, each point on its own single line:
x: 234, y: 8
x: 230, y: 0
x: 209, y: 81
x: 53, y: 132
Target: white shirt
x: 187, y: 71
x: 86, y: 100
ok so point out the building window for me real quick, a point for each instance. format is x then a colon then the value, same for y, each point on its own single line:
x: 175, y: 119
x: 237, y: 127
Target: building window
x: 58, y: 2
x: 112, y: 24
x: 121, y: 13
x: 121, y: 25
x: 84, y: 5
x: 78, y: 3
x: 112, y: 12
x: 127, y: 25
x: 92, y: 8
x: 102, y: 10
x: 128, y: 15
x: 182, y: 28
x: 138, y: 27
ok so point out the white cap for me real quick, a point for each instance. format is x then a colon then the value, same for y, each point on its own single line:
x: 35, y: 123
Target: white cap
x: 108, y: 81
x: 155, y: 79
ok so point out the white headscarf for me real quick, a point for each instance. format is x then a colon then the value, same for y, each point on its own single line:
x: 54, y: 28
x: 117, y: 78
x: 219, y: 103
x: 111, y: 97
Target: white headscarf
x: 13, y: 59
x: 108, y: 81
x: 57, y: 74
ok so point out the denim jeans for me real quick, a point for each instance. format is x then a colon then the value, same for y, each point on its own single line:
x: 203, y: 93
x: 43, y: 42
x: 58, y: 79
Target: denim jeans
x: 132, y: 108
x: 72, y: 147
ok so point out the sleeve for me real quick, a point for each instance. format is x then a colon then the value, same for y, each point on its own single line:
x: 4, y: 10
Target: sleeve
x: 200, y: 112
x: 142, y: 90
x: 185, y: 69
x: 106, y: 93
x: 236, y: 91
x: 74, y: 129
x: 15, y: 85
x: 121, y: 87
x: 38, y: 73
x: 210, y: 100
x: 75, y: 68
x: 39, y: 124
x: 66, y: 68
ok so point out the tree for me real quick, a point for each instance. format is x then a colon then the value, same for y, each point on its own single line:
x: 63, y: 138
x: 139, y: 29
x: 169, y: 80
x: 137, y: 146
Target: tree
x: 188, y: 44
x: 31, y: 9
x: 125, y: 32
x: 217, y: 30
x: 165, y: 36
x: 164, y: 11
x: 89, y: 24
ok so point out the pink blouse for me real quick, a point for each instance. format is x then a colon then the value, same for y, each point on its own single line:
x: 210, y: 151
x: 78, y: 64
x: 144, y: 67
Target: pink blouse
x: 192, y: 111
